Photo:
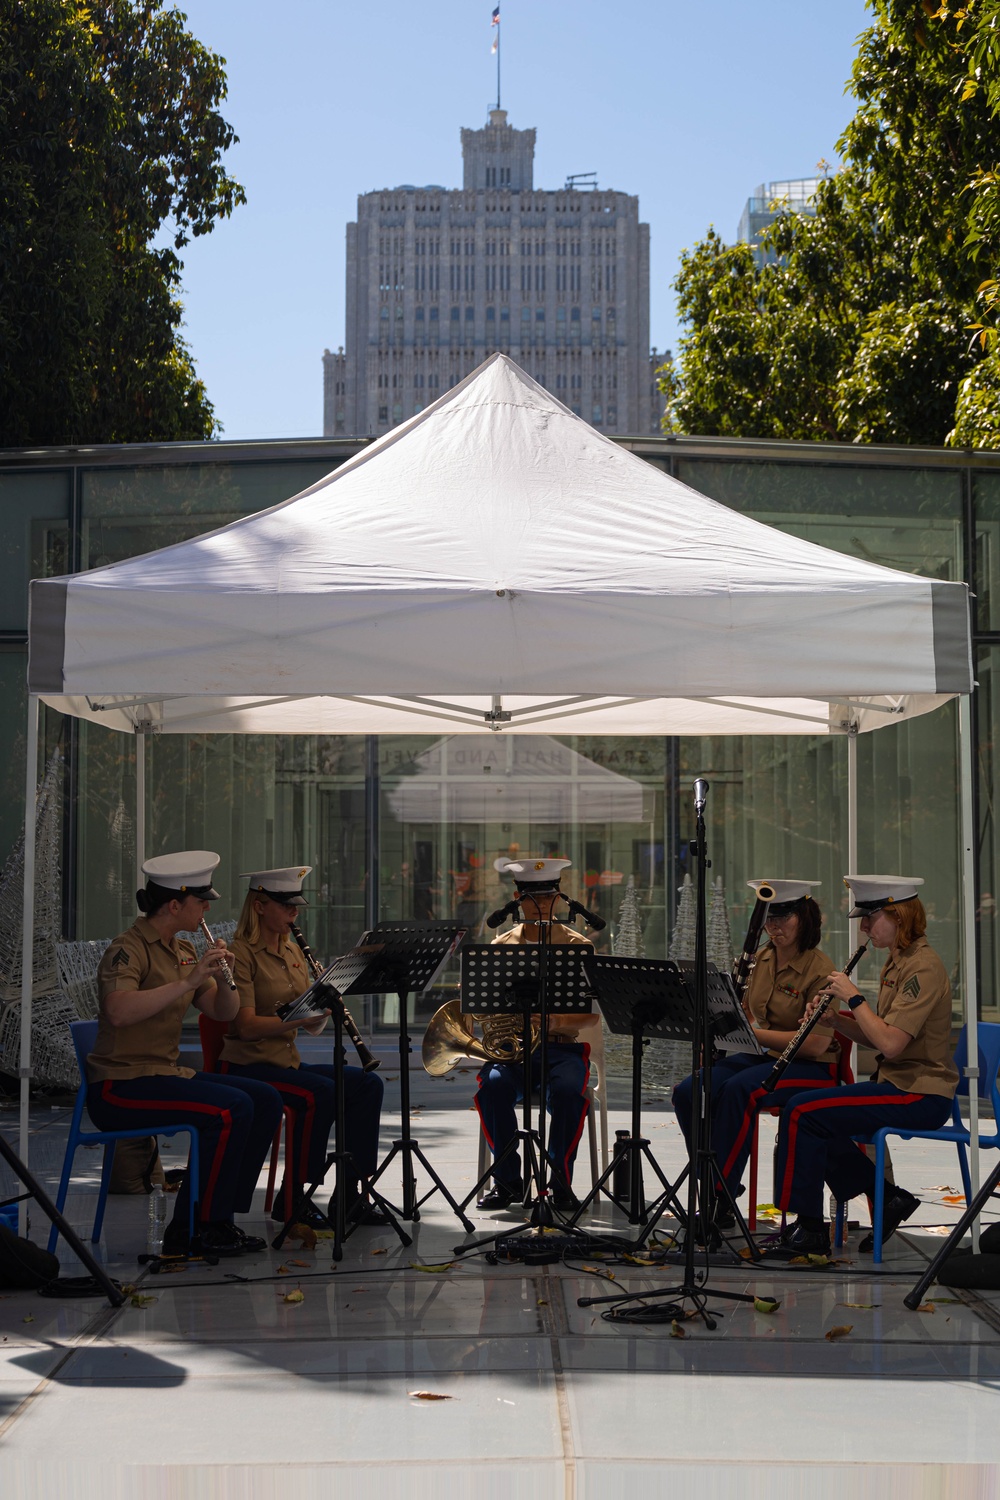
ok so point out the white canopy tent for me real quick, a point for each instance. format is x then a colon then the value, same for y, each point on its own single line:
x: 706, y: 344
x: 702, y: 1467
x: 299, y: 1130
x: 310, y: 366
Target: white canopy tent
x: 496, y: 563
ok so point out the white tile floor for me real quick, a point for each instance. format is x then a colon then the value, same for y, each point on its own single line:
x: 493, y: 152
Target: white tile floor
x: 222, y: 1388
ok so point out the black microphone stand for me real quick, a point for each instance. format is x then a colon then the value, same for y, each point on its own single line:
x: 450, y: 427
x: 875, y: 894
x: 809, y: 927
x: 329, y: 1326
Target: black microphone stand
x: 703, y: 1173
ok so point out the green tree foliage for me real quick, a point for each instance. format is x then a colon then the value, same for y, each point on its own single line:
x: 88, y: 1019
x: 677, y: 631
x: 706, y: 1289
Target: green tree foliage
x: 877, y: 323
x: 111, y: 150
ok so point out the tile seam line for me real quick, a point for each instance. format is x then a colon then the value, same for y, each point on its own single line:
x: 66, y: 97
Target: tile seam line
x: 554, y: 1321
x: 83, y: 1340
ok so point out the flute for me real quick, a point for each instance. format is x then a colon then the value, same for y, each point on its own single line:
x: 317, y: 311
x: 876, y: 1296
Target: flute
x: 771, y: 1081
x: 227, y: 972
x: 366, y: 1057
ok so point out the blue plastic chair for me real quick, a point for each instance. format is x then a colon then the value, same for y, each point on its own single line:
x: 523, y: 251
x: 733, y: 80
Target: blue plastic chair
x: 957, y: 1131
x: 84, y: 1036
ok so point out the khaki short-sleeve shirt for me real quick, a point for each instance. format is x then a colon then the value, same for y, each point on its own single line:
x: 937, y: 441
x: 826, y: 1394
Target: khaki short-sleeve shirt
x: 777, y: 997
x: 139, y: 959
x: 266, y: 980
x: 915, y: 995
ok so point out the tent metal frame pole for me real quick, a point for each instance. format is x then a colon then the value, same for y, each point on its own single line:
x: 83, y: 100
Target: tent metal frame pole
x: 140, y: 805
x: 852, y: 821
x: 966, y: 752
x: 28, y: 940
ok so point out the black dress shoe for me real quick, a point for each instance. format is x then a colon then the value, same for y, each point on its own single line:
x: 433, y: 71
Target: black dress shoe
x: 500, y: 1195
x: 370, y: 1215
x: 895, y: 1210
x: 564, y: 1201
x: 802, y: 1241
x: 249, y: 1244
x: 307, y: 1214
x: 210, y: 1239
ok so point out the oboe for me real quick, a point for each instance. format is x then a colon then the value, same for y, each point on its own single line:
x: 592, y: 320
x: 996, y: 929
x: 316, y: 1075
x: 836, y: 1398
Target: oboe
x: 227, y: 972
x: 366, y: 1057
x: 771, y: 1081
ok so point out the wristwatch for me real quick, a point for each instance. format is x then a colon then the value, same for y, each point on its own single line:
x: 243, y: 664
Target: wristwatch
x: 855, y: 1000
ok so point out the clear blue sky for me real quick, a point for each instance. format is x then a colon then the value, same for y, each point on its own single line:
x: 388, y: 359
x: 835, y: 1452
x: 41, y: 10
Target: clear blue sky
x: 688, y: 105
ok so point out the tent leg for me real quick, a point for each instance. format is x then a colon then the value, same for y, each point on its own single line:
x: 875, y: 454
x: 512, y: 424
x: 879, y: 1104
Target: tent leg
x: 852, y: 821
x: 28, y: 938
x: 966, y: 751
x: 140, y: 807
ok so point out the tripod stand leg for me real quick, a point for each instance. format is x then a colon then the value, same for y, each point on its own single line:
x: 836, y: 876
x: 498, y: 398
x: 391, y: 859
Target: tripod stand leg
x: 913, y: 1299
x: 114, y: 1295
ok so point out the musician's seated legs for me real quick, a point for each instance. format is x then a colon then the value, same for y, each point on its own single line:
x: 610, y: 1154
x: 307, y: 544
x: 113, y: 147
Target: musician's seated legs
x: 735, y: 1106
x: 722, y: 1071
x: 569, y: 1070
x: 497, y: 1100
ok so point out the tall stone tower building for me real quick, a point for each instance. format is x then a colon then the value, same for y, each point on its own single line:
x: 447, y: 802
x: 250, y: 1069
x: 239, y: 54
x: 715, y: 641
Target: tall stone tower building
x: 438, y: 279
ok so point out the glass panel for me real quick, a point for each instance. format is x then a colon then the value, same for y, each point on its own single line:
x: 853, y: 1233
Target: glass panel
x: 988, y: 840
x: 902, y: 518
x: 778, y: 809
x: 127, y: 512
x: 13, y: 687
x: 34, y: 532
x: 449, y: 807
x: 986, y: 493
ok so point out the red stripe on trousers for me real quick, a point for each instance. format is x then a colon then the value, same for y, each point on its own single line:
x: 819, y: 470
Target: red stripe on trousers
x: 850, y: 1101
x: 309, y: 1117
x: 199, y: 1108
x: 566, y: 1167
x: 751, y: 1110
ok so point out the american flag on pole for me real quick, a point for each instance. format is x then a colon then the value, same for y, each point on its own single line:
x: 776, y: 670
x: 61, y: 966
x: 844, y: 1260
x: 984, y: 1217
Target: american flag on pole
x: 496, y: 39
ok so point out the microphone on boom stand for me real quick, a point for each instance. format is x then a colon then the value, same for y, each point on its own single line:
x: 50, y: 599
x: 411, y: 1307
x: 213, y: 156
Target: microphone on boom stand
x: 496, y: 918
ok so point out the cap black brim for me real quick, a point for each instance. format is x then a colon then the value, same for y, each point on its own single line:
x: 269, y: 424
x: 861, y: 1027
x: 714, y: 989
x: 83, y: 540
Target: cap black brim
x: 283, y: 898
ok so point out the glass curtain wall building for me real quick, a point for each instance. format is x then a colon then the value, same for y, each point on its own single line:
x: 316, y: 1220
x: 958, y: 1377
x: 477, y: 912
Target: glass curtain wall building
x: 409, y: 826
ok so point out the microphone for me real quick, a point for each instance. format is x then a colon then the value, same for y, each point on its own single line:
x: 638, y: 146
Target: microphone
x: 496, y: 917
x: 590, y: 917
x: 700, y: 794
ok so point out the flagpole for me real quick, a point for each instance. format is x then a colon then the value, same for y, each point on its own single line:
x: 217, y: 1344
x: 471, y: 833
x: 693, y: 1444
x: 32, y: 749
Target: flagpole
x: 498, y: 65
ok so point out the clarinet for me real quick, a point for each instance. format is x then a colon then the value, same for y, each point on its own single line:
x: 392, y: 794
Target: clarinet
x: 227, y: 972
x: 744, y: 965
x: 771, y: 1081
x: 366, y: 1057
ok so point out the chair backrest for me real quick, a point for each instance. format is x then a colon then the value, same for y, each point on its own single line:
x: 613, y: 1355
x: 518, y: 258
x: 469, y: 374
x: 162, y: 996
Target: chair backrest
x: 988, y: 1038
x: 84, y: 1034
x: 213, y: 1034
x: 845, y: 1073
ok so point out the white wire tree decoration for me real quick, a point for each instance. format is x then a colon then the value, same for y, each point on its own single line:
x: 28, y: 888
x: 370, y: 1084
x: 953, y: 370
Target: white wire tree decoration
x: 719, y: 937
x: 53, y: 1060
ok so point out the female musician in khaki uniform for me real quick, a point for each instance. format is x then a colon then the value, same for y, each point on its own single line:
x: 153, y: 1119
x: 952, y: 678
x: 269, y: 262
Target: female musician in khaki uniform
x: 914, y: 1082
x: 271, y: 969
x: 571, y: 1038
x: 790, y: 969
x: 147, y: 979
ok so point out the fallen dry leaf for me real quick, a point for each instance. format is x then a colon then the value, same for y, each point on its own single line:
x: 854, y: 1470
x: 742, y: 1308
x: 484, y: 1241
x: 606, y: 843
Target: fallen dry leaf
x: 596, y: 1271
x: 926, y: 1307
x: 747, y: 1254
x: 28, y: 1318
x: 381, y: 1250
x: 941, y: 1188
x: 541, y: 1302
x: 765, y: 1304
x: 676, y: 1331
x: 445, y: 1265
x: 296, y: 1296
x: 429, y: 1396
x: 304, y: 1235
x: 859, y: 1304
x: 840, y: 1332
x: 140, y: 1299
x: 299, y: 1263
x: 947, y: 1301
x: 954, y: 1198
x: 284, y: 1271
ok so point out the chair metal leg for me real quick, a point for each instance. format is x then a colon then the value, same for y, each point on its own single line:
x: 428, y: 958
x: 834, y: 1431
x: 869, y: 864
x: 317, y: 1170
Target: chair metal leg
x: 272, y: 1170
x: 963, y: 1167
x: 107, y: 1167
x: 752, y: 1205
x: 67, y: 1172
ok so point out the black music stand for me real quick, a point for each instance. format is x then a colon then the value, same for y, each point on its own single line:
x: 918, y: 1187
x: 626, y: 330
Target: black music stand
x: 913, y: 1299
x: 505, y: 979
x: 640, y: 997
x: 409, y: 957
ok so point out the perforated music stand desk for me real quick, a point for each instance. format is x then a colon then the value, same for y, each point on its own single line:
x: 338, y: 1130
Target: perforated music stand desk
x: 641, y: 997
x: 507, y: 979
x: 731, y: 1031
x: 402, y: 958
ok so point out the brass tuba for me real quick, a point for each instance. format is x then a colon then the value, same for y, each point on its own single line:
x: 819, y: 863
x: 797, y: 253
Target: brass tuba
x: 450, y: 1036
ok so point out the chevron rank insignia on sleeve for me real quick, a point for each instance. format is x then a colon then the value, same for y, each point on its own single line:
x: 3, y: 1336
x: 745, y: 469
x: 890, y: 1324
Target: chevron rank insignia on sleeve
x: 119, y: 958
x: 912, y: 986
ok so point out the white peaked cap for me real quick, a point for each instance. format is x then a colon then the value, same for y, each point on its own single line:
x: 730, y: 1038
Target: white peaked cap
x: 780, y: 892
x: 873, y: 892
x: 189, y: 873
x: 284, y: 885
x: 532, y: 871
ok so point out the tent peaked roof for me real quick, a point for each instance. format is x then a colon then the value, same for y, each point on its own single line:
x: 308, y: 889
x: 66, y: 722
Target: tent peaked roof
x: 493, y: 547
